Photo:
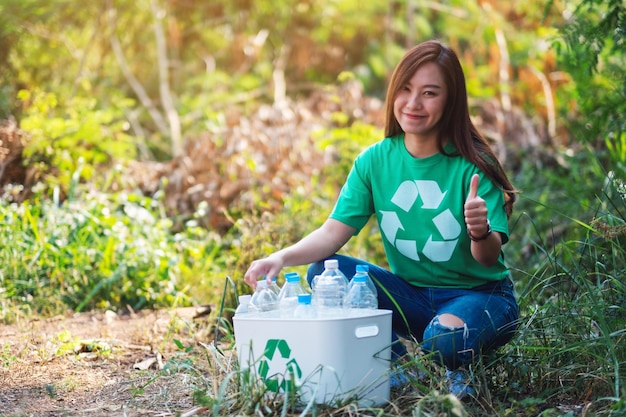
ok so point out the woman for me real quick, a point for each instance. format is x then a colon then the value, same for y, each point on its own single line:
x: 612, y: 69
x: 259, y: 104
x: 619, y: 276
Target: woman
x: 442, y: 201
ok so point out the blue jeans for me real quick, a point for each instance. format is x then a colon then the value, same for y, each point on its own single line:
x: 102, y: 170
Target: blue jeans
x: 490, y: 313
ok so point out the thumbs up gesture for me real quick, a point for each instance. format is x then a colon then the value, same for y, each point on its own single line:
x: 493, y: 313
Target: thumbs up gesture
x: 475, y: 211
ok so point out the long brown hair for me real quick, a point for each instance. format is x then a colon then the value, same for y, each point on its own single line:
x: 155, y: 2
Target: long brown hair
x: 455, y: 124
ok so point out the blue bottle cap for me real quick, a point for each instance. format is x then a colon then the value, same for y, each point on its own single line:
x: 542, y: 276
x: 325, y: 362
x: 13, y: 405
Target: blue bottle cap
x: 304, y: 298
x: 292, y: 277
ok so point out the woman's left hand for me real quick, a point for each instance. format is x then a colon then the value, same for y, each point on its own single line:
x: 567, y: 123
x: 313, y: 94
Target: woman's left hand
x: 475, y: 211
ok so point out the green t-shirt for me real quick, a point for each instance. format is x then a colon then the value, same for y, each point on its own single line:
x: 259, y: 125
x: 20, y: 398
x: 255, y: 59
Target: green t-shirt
x: 418, y: 203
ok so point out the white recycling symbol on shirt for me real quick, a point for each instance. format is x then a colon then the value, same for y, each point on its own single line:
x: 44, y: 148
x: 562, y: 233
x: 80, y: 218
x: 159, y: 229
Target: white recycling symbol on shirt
x: 447, y: 225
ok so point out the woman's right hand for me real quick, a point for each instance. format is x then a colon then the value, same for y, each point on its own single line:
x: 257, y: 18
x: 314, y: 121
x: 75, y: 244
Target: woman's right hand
x: 268, y: 267
x: 319, y: 244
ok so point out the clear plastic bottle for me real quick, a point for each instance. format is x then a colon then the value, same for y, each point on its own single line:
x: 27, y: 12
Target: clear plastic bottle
x: 244, y: 302
x: 331, y: 267
x: 263, y: 299
x: 364, y: 270
x: 274, y: 286
x: 360, y: 295
x: 304, y: 309
x: 288, y: 296
x: 330, y: 287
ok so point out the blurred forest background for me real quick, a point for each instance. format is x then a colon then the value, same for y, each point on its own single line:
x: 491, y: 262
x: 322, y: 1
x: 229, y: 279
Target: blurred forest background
x: 218, y: 114
x: 149, y: 149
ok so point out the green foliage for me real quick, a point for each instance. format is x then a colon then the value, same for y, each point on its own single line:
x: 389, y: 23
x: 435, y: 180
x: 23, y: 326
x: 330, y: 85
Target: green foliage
x: 102, y: 252
x: 593, y: 52
x: 344, y: 142
x: 223, y: 52
x: 76, y: 138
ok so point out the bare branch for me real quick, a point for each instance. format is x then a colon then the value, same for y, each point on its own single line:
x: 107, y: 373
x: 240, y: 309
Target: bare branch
x: 164, y: 87
x: 547, y: 92
x: 504, y: 62
x: 145, y: 100
x: 278, y: 76
x: 505, y: 96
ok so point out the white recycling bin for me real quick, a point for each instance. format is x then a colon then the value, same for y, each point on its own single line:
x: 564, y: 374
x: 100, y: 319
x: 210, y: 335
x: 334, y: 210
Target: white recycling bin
x: 331, y: 359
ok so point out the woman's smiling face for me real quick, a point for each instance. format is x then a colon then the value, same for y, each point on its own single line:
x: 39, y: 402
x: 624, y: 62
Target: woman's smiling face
x: 419, y: 104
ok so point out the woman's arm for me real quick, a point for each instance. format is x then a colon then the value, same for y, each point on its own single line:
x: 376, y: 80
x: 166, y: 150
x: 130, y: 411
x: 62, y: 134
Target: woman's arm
x: 319, y: 244
x: 487, y: 251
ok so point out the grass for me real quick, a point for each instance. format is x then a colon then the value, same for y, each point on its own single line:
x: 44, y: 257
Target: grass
x: 100, y: 251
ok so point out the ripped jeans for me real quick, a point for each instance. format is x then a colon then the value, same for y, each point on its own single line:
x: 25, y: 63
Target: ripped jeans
x: 489, y: 313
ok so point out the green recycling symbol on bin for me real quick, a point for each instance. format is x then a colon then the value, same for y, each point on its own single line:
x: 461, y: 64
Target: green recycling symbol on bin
x: 277, y: 382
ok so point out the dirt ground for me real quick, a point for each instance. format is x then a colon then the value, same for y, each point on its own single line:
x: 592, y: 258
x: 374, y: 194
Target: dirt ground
x: 103, y: 364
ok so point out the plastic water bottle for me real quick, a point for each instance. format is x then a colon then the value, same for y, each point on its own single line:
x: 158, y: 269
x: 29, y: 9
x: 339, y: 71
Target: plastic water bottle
x: 263, y: 299
x: 364, y: 270
x: 331, y: 267
x: 360, y: 295
x: 330, y: 288
x: 244, y: 302
x: 288, y: 296
x: 274, y: 286
x: 304, y: 309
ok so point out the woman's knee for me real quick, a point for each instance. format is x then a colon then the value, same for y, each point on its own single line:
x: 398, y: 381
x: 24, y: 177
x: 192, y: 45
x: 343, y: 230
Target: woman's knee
x: 446, y: 338
x: 450, y: 320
